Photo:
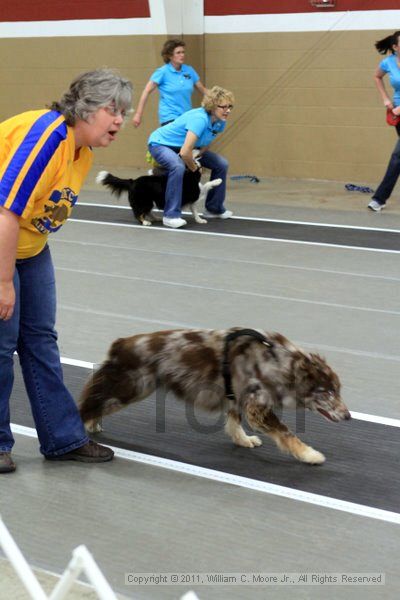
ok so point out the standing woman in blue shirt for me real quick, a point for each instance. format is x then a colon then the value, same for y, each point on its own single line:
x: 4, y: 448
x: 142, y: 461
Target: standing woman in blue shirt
x: 388, y: 66
x: 172, y: 147
x: 175, y: 82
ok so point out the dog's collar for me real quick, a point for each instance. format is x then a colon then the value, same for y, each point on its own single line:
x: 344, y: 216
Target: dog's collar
x: 226, y: 370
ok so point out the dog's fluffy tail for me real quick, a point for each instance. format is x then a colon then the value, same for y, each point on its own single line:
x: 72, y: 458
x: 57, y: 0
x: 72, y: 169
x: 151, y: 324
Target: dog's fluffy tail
x: 115, y: 184
x: 105, y: 387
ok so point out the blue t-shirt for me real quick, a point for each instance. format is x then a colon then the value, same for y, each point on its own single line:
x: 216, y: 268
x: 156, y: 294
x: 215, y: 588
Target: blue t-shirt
x: 389, y: 65
x: 176, y: 88
x: 197, y: 120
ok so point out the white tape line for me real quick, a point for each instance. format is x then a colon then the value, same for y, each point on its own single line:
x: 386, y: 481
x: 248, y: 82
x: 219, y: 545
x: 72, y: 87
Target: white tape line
x: 251, y: 484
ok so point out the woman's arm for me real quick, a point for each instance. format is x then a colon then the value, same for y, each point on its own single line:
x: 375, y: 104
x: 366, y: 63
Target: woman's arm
x: 9, y: 231
x: 200, y: 88
x: 379, y: 75
x: 186, y: 152
x: 149, y: 88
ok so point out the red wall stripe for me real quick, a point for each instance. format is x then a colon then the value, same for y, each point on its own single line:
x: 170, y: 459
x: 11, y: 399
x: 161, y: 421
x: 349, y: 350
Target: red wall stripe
x: 60, y: 10
x: 254, y: 7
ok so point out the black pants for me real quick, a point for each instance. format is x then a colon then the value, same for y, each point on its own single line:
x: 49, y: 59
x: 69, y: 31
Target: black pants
x: 392, y: 174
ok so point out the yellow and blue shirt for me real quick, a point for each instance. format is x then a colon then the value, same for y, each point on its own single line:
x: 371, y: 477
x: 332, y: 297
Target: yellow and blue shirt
x: 40, y: 176
x: 176, y: 88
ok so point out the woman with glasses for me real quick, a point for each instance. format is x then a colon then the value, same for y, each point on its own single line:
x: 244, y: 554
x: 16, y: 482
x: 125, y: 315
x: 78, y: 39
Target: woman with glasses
x: 175, y: 82
x: 45, y: 156
x: 172, y: 147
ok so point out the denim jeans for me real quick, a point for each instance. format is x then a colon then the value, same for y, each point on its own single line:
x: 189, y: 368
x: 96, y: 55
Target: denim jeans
x: 31, y: 333
x: 391, y: 176
x: 175, y: 166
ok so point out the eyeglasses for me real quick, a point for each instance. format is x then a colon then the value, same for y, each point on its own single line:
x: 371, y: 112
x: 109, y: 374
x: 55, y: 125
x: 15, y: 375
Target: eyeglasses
x: 114, y: 111
x: 226, y: 106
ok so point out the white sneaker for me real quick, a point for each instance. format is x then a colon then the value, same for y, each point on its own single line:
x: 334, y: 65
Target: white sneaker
x: 376, y: 206
x: 174, y: 222
x: 227, y: 214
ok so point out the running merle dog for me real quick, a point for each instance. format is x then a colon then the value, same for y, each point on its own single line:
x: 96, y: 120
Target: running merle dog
x: 148, y: 192
x: 242, y: 372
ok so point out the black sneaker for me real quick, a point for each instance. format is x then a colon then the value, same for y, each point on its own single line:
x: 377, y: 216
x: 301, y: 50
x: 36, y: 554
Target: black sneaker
x: 89, y: 453
x: 7, y: 465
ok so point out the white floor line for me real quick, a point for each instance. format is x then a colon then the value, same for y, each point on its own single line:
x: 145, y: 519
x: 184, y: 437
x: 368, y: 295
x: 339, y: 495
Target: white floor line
x: 232, y: 292
x: 341, y: 350
x: 232, y: 235
x: 129, y: 318
x: 265, y: 219
x: 356, y: 415
x: 251, y: 484
x: 226, y: 260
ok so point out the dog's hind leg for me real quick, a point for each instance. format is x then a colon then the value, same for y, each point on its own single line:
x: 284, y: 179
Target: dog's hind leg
x: 204, y: 189
x: 195, y: 213
x: 111, y: 388
x: 234, y: 429
x: 261, y: 418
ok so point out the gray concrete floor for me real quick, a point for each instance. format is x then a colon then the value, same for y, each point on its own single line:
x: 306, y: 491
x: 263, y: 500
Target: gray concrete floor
x: 118, y: 281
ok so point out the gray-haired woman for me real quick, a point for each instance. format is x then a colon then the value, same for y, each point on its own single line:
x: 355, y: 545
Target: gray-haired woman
x: 45, y: 156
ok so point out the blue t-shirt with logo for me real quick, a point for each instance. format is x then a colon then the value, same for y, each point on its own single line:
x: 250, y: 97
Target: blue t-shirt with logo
x: 390, y: 66
x: 197, y: 120
x: 176, y: 88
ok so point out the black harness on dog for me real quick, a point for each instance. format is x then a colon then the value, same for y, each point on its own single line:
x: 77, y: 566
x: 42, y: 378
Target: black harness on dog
x: 226, y: 370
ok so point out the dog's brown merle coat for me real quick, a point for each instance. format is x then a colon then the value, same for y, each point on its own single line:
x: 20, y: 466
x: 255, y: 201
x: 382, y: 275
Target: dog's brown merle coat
x: 189, y: 363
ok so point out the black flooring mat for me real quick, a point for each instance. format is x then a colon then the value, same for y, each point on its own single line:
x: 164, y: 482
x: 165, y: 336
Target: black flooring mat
x: 357, y: 238
x: 362, y: 457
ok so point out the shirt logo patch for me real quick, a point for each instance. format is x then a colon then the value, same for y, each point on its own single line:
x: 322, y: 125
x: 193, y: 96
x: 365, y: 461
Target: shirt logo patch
x: 56, y: 211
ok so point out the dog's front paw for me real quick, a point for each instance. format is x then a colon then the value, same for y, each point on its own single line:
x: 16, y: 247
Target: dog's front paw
x: 247, y: 441
x: 146, y: 223
x: 94, y: 426
x: 255, y: 440
x: 200, y: 220
x: 312, y: 457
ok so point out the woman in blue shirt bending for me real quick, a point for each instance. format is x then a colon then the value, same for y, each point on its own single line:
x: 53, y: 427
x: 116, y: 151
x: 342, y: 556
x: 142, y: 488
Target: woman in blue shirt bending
x: 172, y: 147
x: 388, y: 66
x: 175, y: 82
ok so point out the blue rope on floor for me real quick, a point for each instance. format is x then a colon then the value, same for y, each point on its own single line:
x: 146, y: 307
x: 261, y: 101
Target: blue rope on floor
x: 253, y: 178
x: 352, y: 187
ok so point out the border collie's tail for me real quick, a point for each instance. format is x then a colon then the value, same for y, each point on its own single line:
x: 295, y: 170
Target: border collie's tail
x: 114, y: 184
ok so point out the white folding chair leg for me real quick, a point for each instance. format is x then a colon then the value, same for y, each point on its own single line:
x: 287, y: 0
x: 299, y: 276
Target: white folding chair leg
x: 20, y: 565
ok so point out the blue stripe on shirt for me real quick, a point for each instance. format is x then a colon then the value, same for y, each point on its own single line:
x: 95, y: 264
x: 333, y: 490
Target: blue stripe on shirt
x: 39, y: 164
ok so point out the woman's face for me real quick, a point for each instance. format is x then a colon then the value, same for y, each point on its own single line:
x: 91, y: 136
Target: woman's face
x: 222, y: 110
x: 178, y: 56
x: 396, y: 46
x: 100, y: 129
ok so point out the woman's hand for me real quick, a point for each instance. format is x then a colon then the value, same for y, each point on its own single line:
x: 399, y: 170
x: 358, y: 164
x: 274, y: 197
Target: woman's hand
x: 186, y: 152
x: 396, y: 111
x: 9, y: 231
x: 388, y: 104
x: 136, y: 120
x: 7, y: 300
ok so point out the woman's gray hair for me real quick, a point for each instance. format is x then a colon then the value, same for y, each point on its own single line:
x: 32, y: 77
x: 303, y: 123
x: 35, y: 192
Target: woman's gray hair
x: 93, y: 90
x: 217, y: 95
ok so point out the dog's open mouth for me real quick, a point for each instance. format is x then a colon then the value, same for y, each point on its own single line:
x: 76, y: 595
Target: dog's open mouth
x: 328, y: 415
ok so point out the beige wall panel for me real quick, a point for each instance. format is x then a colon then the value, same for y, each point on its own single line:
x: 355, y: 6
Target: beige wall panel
x: 306, y: 105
